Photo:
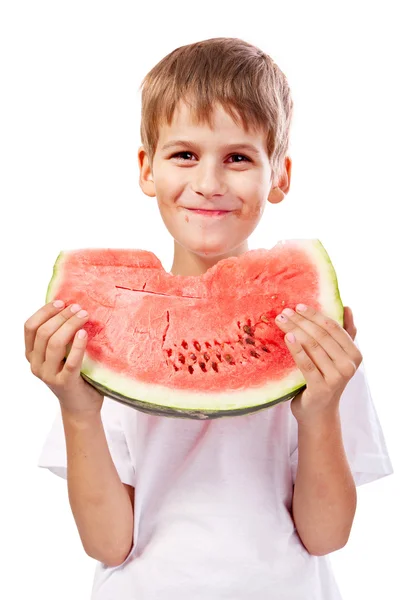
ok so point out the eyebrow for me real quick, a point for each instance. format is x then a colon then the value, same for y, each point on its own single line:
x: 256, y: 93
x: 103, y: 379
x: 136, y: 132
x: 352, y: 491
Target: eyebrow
x: 237, y: 146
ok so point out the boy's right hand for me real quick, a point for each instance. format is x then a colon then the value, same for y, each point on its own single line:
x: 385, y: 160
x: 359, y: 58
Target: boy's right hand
x: 47, y: 334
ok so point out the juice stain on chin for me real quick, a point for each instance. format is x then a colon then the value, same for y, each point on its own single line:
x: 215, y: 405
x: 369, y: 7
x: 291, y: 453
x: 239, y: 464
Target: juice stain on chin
x: 186, y: 218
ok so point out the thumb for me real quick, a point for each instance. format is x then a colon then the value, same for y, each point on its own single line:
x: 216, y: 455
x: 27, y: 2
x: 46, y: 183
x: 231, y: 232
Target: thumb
x: 74, y: 359
x: 348, y: 323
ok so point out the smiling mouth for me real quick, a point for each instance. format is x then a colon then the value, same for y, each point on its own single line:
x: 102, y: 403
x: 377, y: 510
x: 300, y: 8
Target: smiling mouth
x: 209, y: 213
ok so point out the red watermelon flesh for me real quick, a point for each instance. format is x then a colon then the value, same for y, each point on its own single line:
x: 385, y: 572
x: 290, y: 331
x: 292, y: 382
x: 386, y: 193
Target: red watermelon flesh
x: 195, y: 346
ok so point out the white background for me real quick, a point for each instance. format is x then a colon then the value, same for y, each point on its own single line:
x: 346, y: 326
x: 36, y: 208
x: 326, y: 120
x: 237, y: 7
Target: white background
x: 69, y: 122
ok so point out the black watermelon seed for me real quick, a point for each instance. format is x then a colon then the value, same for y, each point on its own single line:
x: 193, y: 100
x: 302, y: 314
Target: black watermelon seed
x: 254, y: 353
x: 250, y: 341
x: 169, y: 352
x: 248, y: 330
x: 206, y: 356
x: 197, y: 346
x: 190, y: 369
x: 264, y: 348
x: 208, y: 345
x: 176, y: 368
x: 214, y: 366
x: 184, y: 345
x: 203, y: 366
x: 228, y: 358
x: 181, y: 358
x: 193, y: 357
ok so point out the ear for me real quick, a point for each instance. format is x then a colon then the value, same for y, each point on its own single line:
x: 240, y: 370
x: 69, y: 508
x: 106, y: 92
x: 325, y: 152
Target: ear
x: 278, y: 192
x: 145, y: 176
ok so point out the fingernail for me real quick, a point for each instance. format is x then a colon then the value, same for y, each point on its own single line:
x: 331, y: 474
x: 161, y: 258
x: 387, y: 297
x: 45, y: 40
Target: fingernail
x: 82, y: 313
x: 281, y: 317
x: 58, y: 304
x: 291, y: 337
x: 75, y: 308
x: 301, y: 307
x: 81, y: 334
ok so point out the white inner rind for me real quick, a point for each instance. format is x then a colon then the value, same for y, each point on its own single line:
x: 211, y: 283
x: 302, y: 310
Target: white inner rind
x: 329, y: 296
x: 331, y: 305
x: 171, y: 397
x: 56, y: 280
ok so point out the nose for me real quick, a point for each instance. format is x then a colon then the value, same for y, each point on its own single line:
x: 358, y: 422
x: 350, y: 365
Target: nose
x: 209, y: 182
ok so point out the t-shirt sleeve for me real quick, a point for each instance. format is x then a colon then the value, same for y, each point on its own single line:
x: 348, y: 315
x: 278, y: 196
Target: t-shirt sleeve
x: 53, y: 455
x: 363, y: 438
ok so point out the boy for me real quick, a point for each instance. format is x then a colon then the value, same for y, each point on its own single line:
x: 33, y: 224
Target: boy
x: 245, y: 508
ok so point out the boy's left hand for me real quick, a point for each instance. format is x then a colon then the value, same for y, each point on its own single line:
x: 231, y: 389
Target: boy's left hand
x: 326, y: 355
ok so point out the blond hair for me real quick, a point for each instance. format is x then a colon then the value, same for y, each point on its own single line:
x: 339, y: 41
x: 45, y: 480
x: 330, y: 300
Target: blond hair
x: 229, y: 71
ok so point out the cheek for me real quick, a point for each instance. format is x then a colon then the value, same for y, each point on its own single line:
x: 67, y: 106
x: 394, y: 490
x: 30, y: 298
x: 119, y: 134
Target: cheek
x: 252, y: 210
x: 167, y: 184
x: 253, y: 193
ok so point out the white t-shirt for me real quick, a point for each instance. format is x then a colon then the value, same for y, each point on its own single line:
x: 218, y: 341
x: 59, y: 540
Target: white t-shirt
x: 213, y: 501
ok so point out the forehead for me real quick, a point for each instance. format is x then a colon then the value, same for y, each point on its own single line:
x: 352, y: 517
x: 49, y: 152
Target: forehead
x: 223, y: 128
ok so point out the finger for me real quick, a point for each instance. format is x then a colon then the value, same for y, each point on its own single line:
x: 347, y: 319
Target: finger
x: 316, y: 352
x: 73, y: 363
x: 318, y: 326
x: 311, y: 373
x: 36, y: 320
x: 57, y: 346
x: 308, y: 332
x: 319, y: 344
x: 48, y: 329
x: 349, y: 322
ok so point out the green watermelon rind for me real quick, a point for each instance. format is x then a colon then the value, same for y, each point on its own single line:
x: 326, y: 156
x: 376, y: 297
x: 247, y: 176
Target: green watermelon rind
x: 188, y: 403
x: 56, y: 278
x: 329, y: 297
x: 159, y: 400
x: 153, y: 408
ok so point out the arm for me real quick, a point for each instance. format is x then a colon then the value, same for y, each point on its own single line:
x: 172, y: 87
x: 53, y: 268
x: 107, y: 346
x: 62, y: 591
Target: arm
x: 102, y: 506
x: 325, y: 497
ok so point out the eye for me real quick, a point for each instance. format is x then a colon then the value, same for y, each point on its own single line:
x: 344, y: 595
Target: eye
x: 242, y: 156
x: 179, y: 155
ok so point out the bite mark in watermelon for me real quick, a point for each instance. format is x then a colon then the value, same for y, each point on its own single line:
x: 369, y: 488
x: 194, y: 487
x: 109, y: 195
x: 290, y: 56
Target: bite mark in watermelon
x: 194, y: 346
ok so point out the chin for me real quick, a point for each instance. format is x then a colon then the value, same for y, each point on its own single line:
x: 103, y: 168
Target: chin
x: 209, y: 250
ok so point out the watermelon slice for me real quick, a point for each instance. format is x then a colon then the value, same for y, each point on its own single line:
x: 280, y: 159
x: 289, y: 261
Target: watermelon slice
x: 194, y: 346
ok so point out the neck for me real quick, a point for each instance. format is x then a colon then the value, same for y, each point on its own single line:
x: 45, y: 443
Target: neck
x: 189, y: 263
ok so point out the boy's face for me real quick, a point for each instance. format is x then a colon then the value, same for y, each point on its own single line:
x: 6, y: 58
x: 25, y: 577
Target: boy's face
x: 202, y: 174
